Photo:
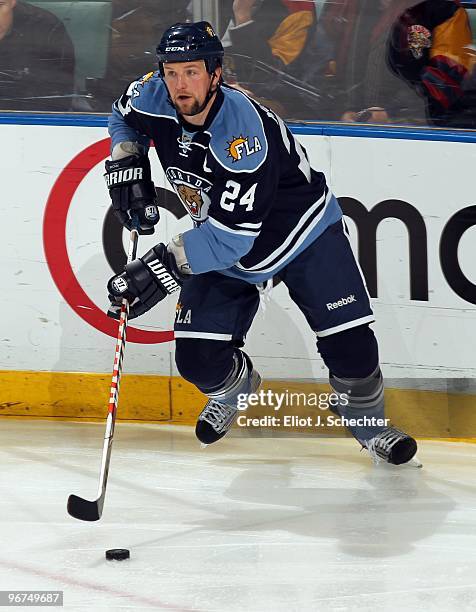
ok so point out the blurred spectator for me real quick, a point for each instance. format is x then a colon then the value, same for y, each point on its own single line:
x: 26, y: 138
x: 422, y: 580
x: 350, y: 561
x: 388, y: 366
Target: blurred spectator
x: 36, y: 59
x: 280, y: 54
x: 430, y: 47
x: 137, y: 26
x: 379, y: 76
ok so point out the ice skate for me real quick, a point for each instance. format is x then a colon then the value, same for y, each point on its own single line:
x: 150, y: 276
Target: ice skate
x: 393, y: 446
x: 217, y: 418
x: 215, y: 421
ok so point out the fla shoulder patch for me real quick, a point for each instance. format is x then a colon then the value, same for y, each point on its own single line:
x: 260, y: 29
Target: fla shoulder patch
x: 238, y: 140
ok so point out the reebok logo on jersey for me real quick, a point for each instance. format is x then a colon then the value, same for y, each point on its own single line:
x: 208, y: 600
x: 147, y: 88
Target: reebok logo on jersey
x: 123, y: 176
x: 164, y: 277
x: 342, y: 302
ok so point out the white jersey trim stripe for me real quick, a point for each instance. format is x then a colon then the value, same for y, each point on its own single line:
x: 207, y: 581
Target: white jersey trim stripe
x: 154, y: 115
x: 250, y: 225
x: 291, y: 236
x: 348, y: 325
x: 202, y: 335
x: 284, y: 133
x: 304, y: 164
x: 230, y: 230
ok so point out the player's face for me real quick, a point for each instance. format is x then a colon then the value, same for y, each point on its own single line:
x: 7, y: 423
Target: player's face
x: 6, y: 16
x: 188, y: 84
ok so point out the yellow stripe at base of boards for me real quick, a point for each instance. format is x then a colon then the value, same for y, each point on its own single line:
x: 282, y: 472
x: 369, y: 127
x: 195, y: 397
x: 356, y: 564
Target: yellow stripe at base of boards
x: 150, y: 399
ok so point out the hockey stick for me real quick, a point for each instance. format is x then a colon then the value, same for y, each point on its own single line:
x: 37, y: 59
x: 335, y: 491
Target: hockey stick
x: 78, y: 507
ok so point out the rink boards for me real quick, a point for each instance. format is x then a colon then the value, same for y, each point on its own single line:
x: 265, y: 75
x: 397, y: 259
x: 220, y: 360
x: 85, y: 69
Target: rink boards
x: 411, y: 210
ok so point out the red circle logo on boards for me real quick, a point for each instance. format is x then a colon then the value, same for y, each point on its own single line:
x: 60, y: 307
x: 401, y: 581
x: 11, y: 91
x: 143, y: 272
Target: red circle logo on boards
x: 54, y: 241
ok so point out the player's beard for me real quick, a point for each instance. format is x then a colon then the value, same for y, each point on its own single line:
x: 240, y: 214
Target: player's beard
x: 188, y: 108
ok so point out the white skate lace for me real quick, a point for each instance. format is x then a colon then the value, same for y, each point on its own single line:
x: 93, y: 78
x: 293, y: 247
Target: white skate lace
x: 380, y: 446
x: 218, y: 415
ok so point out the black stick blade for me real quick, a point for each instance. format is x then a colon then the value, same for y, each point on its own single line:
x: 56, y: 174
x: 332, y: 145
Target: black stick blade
x: 83, y: 509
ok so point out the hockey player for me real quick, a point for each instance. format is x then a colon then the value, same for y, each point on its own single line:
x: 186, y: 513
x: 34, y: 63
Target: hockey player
x: 259, y: 209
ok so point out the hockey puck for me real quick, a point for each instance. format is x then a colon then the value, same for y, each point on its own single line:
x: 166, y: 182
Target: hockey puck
x: 117, y: 554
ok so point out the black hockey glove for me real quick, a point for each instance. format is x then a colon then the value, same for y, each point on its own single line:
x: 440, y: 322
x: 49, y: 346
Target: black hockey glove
x: 132, y: 192
x: 145, y: 282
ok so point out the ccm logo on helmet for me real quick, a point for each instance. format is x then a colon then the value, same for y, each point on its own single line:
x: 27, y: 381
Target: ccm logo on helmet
x: 174, y: 49
x: 123, y: 176
x: 166, y: 280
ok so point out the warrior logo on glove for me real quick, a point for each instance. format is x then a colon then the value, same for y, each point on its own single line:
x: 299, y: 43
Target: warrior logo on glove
x: 164, y: 277
x: 132, y: 192
x: 123, y: 176
x: 145, y: 282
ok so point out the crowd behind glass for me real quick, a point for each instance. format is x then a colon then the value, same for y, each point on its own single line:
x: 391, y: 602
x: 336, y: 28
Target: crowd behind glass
x: 368, y: 61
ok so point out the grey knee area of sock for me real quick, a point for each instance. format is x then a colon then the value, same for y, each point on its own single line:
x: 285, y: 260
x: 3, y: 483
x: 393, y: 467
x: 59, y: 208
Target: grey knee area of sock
x: 364, y: 398
x: 240, y: 382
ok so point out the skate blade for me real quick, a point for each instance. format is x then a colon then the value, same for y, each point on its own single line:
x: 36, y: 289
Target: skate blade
x: 203, y: 445
x: 414, y: 462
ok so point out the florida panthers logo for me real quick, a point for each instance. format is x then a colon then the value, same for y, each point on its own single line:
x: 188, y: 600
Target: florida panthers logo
x: 419, y: 38
x: 191, y: 198
x: 192, y: 190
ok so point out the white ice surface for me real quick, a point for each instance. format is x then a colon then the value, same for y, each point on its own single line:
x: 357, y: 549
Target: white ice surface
x: 251, y: 525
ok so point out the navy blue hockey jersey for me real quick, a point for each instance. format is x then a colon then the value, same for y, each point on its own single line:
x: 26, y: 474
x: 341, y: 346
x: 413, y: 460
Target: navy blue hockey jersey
x: 244, y: 179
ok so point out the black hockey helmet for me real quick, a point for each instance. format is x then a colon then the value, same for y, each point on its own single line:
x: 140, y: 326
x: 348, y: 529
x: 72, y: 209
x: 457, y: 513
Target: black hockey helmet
x: 188, y: 42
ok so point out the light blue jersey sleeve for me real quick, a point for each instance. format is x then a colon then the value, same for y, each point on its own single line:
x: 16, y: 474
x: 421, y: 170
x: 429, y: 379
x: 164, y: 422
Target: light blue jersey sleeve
x: 141, y: 97
x: 121, y: 132
x: 210, y: 247
x: 238, y: 143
